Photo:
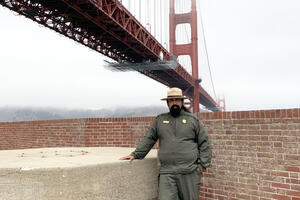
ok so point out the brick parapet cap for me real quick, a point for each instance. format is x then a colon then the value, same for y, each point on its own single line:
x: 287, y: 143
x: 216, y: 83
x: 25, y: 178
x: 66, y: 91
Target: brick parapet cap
x: 252, y: 114
x: 86, y: 120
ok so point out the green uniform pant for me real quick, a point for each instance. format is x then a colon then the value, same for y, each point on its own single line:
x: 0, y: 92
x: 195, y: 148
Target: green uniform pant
x: 179, y: 186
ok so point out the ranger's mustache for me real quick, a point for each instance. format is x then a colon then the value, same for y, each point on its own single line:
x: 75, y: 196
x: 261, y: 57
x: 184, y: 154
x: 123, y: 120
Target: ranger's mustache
x: 175, y: 110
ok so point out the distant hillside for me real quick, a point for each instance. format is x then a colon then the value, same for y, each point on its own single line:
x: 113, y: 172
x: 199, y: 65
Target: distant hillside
x: 13, y: 114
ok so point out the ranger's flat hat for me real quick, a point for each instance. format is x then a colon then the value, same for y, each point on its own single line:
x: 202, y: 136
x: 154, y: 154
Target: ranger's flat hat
x: 174, y: 93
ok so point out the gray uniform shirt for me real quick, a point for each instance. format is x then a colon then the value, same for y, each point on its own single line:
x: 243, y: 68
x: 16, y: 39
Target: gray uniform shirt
x: 183, y: 143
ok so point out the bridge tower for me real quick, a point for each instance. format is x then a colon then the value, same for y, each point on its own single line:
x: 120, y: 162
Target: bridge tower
x: 190, y: 49
x: 221, y: 104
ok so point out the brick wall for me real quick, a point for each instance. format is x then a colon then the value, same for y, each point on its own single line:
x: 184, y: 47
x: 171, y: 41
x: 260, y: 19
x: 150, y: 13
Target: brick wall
x: 256, y: 154
x: 113, y: 132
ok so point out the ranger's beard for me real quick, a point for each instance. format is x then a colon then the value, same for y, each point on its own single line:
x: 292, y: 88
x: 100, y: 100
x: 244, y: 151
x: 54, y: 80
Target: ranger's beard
x: 175, y: 110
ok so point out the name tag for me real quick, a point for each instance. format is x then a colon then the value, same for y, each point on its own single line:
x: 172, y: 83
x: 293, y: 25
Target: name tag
x: 165, y: 122
x: 184, y: 121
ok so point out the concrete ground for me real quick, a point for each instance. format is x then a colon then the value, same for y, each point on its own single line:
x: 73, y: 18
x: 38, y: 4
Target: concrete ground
x: 84, y: 173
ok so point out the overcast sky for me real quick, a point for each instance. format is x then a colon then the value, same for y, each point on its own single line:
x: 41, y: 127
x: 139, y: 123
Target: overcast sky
x: 253, y: 46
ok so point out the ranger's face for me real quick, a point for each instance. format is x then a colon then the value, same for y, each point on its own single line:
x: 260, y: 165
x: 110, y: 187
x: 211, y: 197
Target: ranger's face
x: 172, y: 102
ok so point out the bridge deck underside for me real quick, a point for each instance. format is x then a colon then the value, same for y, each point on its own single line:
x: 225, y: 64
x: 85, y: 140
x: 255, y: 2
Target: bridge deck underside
x: 107, y: 27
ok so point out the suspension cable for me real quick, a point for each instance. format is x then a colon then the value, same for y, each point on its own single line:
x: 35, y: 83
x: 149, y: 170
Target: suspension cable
x: 207, y: 57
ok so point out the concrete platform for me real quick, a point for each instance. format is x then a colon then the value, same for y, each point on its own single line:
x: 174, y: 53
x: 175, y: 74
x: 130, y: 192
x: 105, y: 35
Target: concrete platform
x: 76, y: 174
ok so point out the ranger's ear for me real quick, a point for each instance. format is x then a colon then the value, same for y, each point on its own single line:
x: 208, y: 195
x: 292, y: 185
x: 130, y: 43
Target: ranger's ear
x: 168, y: 104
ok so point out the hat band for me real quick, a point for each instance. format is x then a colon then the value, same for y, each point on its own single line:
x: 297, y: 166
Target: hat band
x: 174, y: 96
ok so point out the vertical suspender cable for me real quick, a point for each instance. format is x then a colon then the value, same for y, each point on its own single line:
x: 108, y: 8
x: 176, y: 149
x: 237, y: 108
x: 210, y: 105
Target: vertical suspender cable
x: 154, y: 10
x: 149, y: 16
x: 160, y: 21
x: 145, y: 12
x: 164, y: 27
x: 129, y: 6
x: 140, y: 11
x: 150, y: 19
x: 163, y: 19
x: 167, y: 26
x: 134, y: 8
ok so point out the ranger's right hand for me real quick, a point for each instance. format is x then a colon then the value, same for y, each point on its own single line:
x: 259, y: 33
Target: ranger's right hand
x: 129, y: 157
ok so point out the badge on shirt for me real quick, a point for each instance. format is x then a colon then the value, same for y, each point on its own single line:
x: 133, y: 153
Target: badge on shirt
x: 165, y: 122
x: 184, y: 121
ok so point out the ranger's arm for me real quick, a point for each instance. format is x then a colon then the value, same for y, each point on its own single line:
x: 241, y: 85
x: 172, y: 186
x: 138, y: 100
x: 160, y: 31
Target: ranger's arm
x: 204, y: 148
x: 147, y: 142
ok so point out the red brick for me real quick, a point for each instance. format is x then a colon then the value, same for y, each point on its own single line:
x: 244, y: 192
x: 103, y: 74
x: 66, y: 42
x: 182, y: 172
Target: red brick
x: 264, y: 127
x: 220, y: 197
x: 293, y: 193
x: 262, y: 114
x: 267, y: 189
x: 283, y: 113
x: 280, y: 173
x: 296, y: 112
x: 295, y: 187
x: 280, y: 185
x: 257, y: 114
x: 217, y: 115
x: 243, y: 196
x: 292, y: 169
x: 289, y: 113
x: 267, y: 113
x: 278, y: 144
x: 280, y: 197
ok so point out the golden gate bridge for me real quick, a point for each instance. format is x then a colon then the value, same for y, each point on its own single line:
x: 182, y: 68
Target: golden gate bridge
x: 109, y: 28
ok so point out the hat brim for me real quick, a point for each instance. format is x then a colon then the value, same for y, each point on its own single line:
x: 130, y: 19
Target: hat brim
x: 179, y: 97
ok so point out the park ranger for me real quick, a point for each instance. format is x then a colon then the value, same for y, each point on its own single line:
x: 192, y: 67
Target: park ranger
x: 184, y: 149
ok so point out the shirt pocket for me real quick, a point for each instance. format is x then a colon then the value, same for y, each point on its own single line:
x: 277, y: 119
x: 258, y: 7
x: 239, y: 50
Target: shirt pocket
x: 186, y: 131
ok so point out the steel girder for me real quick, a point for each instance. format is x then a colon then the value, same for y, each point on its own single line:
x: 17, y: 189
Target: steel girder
x: 64, y: 24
